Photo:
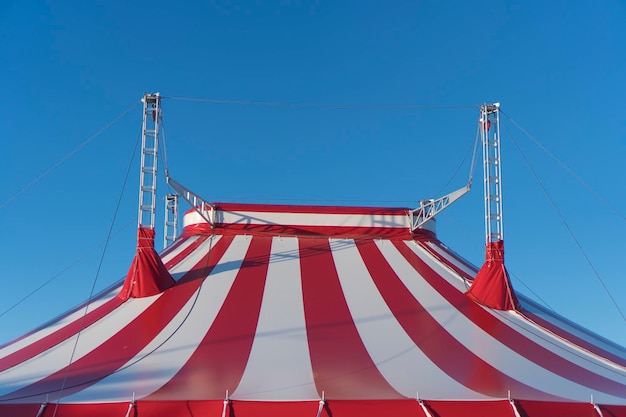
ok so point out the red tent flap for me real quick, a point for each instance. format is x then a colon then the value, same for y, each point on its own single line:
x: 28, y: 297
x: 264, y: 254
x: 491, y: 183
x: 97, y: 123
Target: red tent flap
x: 492, y: 286
x: 147, y: 275
x: 372, y: 408
x: 555, y: 409
x: 447, y: 408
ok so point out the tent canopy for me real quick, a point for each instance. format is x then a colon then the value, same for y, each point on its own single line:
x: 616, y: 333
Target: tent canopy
x: 282, y: 310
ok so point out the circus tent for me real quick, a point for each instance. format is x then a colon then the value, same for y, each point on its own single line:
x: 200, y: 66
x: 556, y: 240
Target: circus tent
x: 285, y: 310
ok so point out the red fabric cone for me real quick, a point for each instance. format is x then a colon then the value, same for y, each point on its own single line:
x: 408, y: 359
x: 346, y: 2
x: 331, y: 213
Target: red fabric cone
x: 147, y: 274
x: 492, y: 286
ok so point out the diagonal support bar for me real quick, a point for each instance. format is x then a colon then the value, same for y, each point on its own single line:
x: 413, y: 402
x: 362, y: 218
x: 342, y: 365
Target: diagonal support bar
x: 430, y: 208
x: 202, y: 207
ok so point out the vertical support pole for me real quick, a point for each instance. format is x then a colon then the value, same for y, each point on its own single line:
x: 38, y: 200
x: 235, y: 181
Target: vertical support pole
x: 149, y: 147
x: 171, y: 219
x: 490, y: 135
x: 491, y: 286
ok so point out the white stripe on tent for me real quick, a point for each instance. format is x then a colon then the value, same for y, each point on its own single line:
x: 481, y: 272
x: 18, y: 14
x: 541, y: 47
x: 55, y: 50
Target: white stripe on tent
x: 180, y: 269
x: 400, y: 361
x: 400, y: 221
x: 562, y: 347
x: 451, y: 276
x: 279, y: 365
x: 147, y: 375
x: 531, y: 306
x: 77, y: 315
x: 547, y: 340
x: 181, y: 247
x: 563, y: 323
x: 550, y: 341
x: 58, y: 357
x: 450, y: 257
x: 143, y: 371
x: 479, y: 342
x: 81, y: 312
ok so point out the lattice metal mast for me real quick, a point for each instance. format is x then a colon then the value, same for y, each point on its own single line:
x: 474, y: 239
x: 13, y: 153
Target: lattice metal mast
x: 149, y: 147
x: 490, y: 135
x: 171, y: 219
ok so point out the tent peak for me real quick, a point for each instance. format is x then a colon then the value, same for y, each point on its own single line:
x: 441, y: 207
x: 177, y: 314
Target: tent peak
x: 329, y: 221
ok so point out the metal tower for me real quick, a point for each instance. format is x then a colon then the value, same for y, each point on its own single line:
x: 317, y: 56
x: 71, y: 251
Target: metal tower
x: 490, y: 135
x: 171, y: 219
x: 149, y: 146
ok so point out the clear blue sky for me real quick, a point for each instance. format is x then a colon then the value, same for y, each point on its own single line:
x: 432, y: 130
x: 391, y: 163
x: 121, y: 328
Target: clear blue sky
x: 69, y: 68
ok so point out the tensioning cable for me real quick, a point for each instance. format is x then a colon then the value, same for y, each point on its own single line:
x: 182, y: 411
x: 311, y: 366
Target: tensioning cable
x: 314, y: 105
x: 566, y: 168
x: 69, y: 155
x: 95, y: 280
x: 567, y: 226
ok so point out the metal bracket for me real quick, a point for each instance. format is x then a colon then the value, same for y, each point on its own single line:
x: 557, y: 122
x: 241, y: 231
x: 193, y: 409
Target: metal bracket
x: 430, y: 208
x: 423, y: 405
x: 513, y: 406
x: 131, y: 406
x: 42, y: 408
x: 226, y: 404
x: 596, y: 407
x: 321, y: 406
x: 202, y: 207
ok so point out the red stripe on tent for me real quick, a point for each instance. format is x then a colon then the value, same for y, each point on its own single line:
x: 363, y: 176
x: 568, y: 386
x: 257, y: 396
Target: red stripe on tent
x: 448, y: 263
x: 342, y: 368
x: 454, y: 255
x: 571, y: 337
x: 220, y: 359
x: 185, y: 252
x: 171, y: 248
x: 59, y: 335
x: 326, y: 231
x: 79, y: 324
x: 114, y: 288
x: 552, y: 327
x: 451, y: 356
x: 541, y: 321
x: 125, y: 344
x: 208, y: 262
x: 509, y: 337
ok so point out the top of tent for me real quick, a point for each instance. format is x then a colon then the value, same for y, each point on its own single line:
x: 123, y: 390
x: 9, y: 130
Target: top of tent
x: 291, y: 220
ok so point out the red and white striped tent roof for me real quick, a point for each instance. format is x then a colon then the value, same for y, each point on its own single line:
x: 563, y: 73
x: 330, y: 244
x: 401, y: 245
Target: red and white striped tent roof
x: 308, y: 311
